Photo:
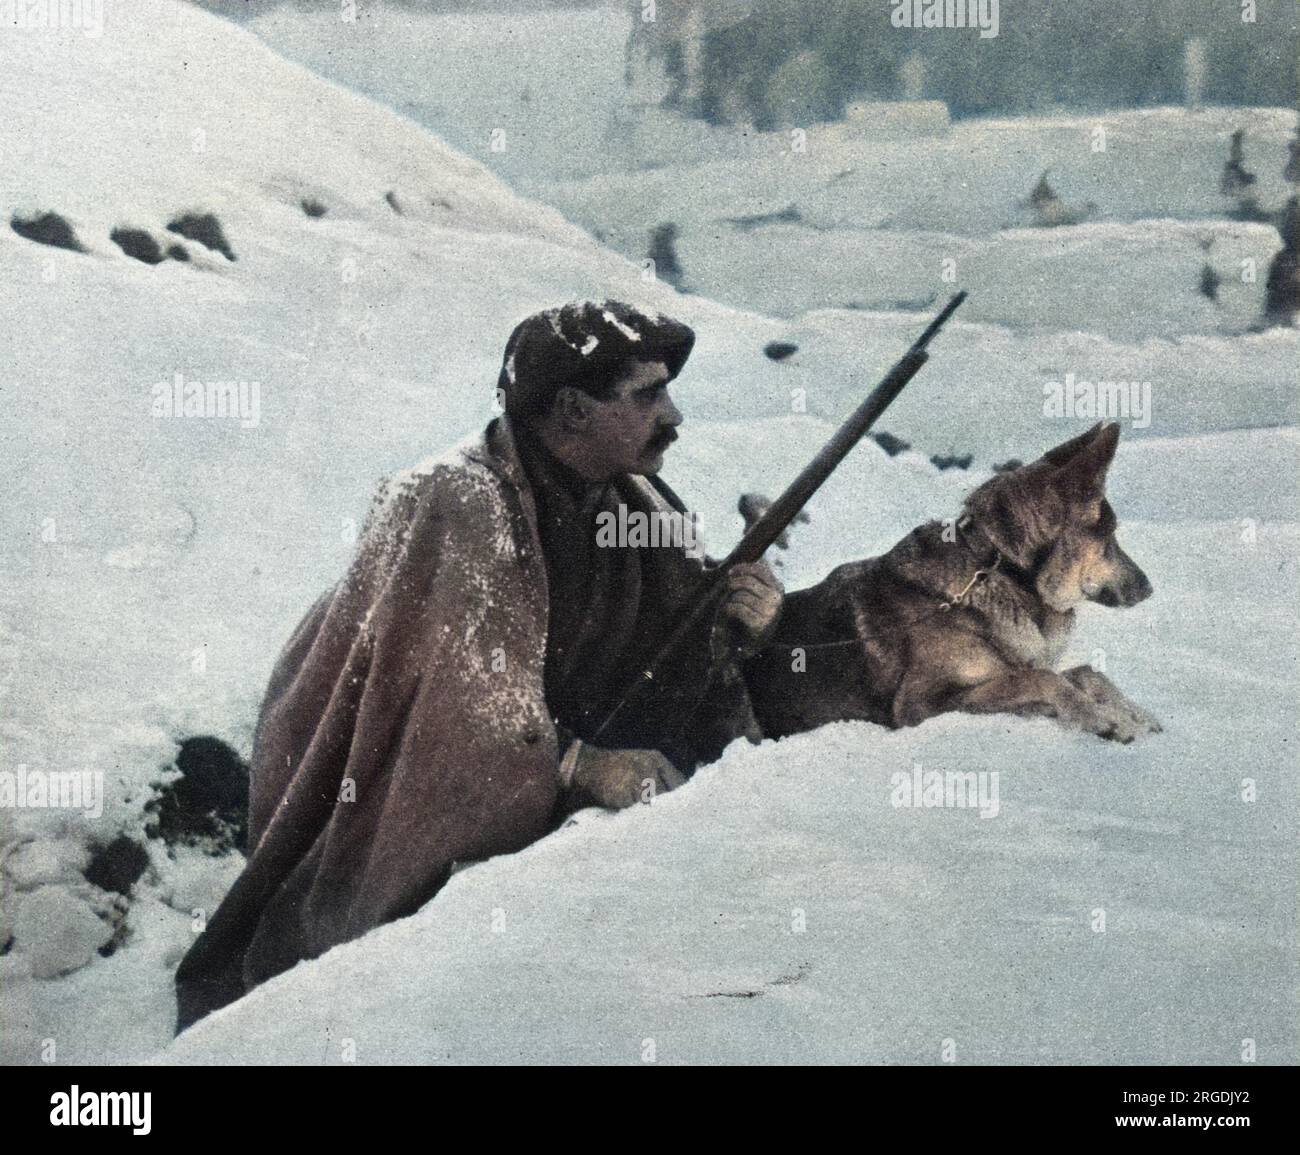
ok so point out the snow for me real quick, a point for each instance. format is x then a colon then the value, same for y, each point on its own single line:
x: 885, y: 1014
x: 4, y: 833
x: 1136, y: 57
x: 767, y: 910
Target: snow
x: 778, y: 908
x: 58, y: 931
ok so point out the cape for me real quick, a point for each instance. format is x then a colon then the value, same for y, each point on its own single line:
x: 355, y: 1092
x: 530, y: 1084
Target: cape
x: 405, y: 726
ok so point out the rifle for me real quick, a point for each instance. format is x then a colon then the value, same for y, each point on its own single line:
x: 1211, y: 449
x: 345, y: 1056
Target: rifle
x: 777, y: 517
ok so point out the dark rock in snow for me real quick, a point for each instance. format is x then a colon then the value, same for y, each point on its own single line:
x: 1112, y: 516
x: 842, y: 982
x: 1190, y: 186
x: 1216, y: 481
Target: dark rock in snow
x: 747, y: 223
x: 208, y: 803
x: 780, y: 350
x: 313, y: 208
x: 48, y: 229
x: 940, y: 461
x: 1051, y: 211
x: 1235, y: 178
x: 205, y: 229
x: 890, y: 444
x: 118, y: 865
x: 138, y: 244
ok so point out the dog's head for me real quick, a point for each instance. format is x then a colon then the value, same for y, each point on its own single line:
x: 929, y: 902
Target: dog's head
x: 1051, y: 518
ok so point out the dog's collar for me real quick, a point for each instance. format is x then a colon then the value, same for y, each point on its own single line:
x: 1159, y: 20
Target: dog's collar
x: 989, y: 559
x: 989, y: 556
x: 980, y: 575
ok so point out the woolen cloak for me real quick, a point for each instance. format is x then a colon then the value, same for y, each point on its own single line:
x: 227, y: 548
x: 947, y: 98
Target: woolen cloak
x: 405, y: 727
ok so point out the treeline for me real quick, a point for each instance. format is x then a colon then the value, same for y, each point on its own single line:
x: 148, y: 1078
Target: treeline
x: 775, y: 62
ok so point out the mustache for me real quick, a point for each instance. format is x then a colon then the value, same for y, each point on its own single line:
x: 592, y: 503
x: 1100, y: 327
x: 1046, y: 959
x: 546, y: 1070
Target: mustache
x: 661, y: 440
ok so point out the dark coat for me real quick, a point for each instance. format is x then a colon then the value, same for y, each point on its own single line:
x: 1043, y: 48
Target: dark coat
x: 405, y: 727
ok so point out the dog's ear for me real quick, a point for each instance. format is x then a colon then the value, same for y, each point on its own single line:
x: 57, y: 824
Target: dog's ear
x: 1067, y: 449
x: 1083, y: 475
x: 1018, y: 513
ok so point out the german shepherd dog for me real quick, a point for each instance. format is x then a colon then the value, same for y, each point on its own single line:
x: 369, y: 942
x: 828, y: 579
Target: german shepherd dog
x: 968, y: 615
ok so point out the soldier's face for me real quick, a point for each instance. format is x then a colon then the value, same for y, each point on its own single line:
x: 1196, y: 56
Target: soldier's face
x: 632, y: 429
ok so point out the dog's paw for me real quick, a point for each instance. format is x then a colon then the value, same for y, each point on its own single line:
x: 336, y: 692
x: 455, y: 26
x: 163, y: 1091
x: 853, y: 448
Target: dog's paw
x: 1146, y: 721
x: 1131, y: 720
x: 1125, y: 722
x: 1120, y: 719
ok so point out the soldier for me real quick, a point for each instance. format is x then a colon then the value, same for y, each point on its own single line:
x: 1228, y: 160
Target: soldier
x: 1282, y: 290
x: 1235, y: 180
x: 438, y: 705
x: 1050, y: 210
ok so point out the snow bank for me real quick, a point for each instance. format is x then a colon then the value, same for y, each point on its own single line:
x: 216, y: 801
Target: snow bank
x: 780, y: 908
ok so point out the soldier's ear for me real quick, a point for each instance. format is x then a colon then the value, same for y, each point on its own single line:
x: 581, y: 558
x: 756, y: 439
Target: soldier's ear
x: 573, y: 407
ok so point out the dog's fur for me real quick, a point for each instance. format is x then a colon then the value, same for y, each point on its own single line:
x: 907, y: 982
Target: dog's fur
x: 892, y: 640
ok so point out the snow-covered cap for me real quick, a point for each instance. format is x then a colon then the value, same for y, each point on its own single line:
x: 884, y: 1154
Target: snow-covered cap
x: 585, y: 344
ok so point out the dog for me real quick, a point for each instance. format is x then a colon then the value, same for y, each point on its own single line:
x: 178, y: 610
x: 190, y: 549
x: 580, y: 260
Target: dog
x: 969, y: 615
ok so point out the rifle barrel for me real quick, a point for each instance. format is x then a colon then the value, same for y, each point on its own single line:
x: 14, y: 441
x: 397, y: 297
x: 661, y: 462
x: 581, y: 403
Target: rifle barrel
x: 784, y: 509
x: 942, y: 319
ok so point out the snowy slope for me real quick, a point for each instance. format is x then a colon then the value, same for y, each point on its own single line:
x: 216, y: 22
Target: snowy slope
x: 153, y: 567
x: 545, y: 92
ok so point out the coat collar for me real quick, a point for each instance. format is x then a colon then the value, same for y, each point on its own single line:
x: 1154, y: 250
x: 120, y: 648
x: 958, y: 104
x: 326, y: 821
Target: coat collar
x: 496, y: 449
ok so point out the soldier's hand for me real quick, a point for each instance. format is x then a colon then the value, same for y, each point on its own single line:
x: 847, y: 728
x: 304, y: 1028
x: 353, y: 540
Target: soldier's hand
x: 622, y: 778
x: 751, y: 604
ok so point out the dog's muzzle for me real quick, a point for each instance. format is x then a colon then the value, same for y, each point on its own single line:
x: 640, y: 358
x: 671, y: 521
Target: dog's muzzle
x: 1129, y: 586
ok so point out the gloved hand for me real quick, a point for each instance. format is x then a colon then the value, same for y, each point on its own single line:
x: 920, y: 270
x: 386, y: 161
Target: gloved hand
x: 750, y: 608
x: 620, y: 778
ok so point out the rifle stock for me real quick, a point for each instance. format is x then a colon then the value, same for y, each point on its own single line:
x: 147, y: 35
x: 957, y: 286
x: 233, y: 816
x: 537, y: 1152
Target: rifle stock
x: 784, y: 509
